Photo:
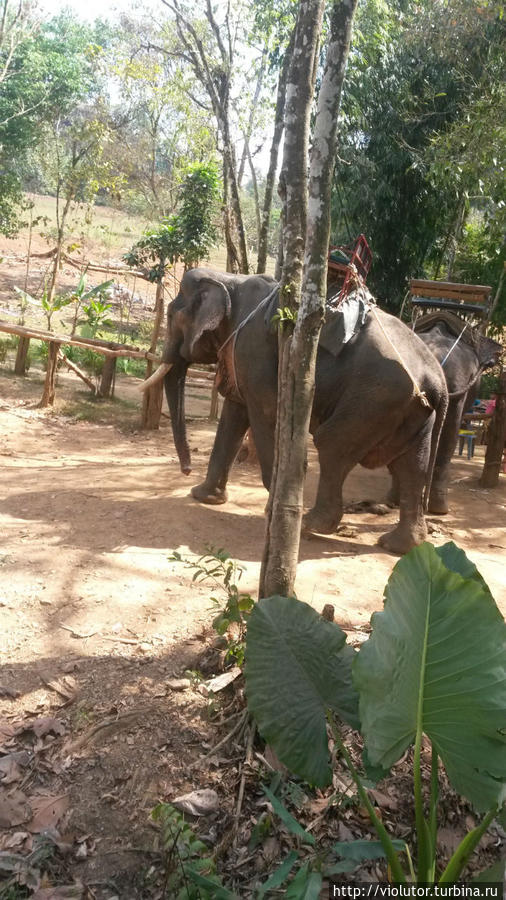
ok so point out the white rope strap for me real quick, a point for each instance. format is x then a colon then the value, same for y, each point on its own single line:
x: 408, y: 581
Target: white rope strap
x: 418, y: 393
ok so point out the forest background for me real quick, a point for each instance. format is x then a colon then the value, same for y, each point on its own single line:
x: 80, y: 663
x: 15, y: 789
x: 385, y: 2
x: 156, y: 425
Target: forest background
x: 122, y: 112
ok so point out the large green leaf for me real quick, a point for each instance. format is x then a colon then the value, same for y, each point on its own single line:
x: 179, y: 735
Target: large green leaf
x: 298, y: 665
x: 437, y: 656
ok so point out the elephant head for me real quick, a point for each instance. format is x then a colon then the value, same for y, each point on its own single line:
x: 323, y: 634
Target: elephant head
x: 198, y: 322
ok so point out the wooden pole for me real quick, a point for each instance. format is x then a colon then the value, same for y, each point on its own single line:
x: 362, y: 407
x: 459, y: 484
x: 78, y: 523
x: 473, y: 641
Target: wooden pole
x: 79, y: 372
x: 50, y: 382
x: 21, y: 356
x: 107, y: 348
x: 496, y: 438
x: 106, y: 388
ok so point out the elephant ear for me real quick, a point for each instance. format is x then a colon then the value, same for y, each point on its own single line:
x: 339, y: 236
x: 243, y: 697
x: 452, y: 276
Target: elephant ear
x: 212, y: 305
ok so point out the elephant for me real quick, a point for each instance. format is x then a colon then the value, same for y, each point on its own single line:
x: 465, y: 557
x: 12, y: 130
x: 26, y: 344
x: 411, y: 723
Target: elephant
x: 379, y: 400
x: 464, y: 354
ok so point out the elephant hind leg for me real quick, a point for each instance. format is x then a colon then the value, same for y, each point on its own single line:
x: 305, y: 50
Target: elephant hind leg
x: 409, y: 472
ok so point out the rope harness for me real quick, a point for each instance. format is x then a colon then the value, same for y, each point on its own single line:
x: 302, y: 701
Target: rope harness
x: 422, y: 396
x: 222, y: 370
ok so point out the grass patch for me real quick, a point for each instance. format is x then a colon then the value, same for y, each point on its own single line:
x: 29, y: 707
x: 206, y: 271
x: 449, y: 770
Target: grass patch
x: 123, y: 414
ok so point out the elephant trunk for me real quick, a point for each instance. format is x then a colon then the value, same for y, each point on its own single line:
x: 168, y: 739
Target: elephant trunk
x: 174, y: 389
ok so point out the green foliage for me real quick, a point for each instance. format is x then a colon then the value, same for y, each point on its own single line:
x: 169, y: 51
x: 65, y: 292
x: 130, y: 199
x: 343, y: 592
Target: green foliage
x: 415, y: 143
x: 284, y: 316
x: 157, y: 249
x: 190, y: 870
x: 196, y: 212
x: 434, y: 665
x: 308, y: 660
x: 48, y: 306
x: 96, y: 312
x: 51, y: 68
x: 218, y: 567
x: 188, y: 235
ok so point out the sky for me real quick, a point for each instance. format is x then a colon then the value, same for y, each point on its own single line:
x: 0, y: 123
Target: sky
x: 89, y: 10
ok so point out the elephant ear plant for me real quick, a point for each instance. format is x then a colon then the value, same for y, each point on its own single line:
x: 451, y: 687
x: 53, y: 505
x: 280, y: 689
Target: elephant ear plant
x: 434, y: 665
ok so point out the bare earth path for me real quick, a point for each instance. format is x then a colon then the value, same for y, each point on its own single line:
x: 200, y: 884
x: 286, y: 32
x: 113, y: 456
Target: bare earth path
x: 89, y: 516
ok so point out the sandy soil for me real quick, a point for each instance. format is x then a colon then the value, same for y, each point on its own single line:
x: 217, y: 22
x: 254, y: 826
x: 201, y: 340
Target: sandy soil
x: 89, y: 516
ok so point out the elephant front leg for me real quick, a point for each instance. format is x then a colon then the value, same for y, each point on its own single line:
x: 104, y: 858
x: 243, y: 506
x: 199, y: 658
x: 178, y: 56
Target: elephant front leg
x: 327, y: 512
x: 231, y: 429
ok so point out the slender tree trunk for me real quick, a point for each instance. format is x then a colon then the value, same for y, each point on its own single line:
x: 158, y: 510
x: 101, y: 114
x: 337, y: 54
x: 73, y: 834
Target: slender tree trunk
x: 455, y: 237
x: 255, y: 193
x: 496, y: 439
x: 153, y: 397
x: 273, y: 160
x: 251, y: 120
x: 298, y: 352
x: 58, y: 249
x: 50, y: 382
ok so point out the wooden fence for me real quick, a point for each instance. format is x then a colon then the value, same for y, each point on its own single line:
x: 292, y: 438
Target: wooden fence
x: 110, y: 349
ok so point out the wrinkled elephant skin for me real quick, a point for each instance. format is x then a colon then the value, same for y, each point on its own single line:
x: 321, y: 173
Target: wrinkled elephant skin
x: 365, y: 408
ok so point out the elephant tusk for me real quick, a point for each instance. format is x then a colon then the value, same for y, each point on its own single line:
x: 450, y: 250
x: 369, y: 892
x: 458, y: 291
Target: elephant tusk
x: 157, y: 376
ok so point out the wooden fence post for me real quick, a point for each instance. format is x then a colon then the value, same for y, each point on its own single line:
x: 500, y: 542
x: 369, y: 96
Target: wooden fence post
x: 53, y: 349
x: 496, y: 438
x: 108, y: 377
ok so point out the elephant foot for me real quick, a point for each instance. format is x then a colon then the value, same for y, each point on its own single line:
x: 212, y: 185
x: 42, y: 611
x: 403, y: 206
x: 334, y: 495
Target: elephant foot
x: 313, y: 522
x: 392, y: 498
x: 438, y: 505
x: 401, y: 540
x: 214, y: 496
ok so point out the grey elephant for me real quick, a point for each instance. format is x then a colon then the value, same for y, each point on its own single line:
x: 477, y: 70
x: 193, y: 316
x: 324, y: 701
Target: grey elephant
x: 464, y: 354
x: 380, y: 401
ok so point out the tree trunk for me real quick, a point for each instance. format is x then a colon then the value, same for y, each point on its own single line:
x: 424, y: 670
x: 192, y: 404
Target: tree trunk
x: 21, y: 355
x: 496, y: 439
x: 273, y: 160
x: 153, y: 397
x: 108, y: 377
x: 50, y: 382
x: 298, y: 352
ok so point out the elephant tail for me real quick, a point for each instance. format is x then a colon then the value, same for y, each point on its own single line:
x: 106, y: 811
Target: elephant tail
x: 441, y: 410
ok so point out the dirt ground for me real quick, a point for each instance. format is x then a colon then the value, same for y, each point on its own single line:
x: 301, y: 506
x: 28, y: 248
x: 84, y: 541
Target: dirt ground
x: 96, y: 622
x: 96, y: 618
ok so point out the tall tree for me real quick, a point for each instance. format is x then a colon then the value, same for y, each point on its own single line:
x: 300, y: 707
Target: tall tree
x: 306, y: 237
x: 46, y: 68
x: 414, y: 74
x: 212, y: 55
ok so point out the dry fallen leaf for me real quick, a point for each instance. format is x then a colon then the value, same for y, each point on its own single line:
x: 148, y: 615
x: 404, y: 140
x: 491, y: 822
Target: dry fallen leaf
x: 47, y: 811
x: 222, y: 681
x: 202, y: 802
x: 16, y: 841
x: 9, y: 770
x: 63, y: 892
x: 14, y: 808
